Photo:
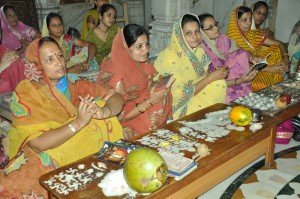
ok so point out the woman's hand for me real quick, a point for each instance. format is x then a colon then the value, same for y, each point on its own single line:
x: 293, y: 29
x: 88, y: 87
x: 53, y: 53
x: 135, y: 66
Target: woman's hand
x: 278, y: 68
x: 86, y: 110
x: 158, y: 96
x: 254, y: 59
x: 248, y: 78
x: 7, y: 59
x: 219, y: 73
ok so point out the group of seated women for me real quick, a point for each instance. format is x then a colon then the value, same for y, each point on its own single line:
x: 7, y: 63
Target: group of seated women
x: 58, y: 118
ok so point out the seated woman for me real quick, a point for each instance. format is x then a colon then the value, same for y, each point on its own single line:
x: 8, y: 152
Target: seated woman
x: 91, y: 17
x: 294, y: 48
x: 128, y: 71
x: 76, y: 60
x: 195, y: 87
x: 16, y: 35
x: 11, y: 69
x: 223, y: 52
x: 56, y: 120
x: 105, y: 32
x: 259, y: 16
x: 260, y: 45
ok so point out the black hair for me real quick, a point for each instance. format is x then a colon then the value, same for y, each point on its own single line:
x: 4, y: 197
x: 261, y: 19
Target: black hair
x: 188, y: 18
x: 132, y: 32
x: 105, y: 7
x: 202, y: 18
x: 46, y: 39
x: 259, y: 4
x: 52, y: 15
x: 74, y: 32
x: 242, y: 10
x: 8, y: 6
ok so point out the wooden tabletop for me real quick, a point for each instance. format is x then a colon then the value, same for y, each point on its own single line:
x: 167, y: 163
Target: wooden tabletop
x: 224, y: 150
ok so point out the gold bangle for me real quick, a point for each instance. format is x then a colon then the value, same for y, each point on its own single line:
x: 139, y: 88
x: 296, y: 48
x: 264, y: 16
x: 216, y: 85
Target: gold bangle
x: 148, y: 102
x: 137, y: 106
x: 209, y: 78
x: 283, y: 54
x: 235, y: 82
x: 110, y: 112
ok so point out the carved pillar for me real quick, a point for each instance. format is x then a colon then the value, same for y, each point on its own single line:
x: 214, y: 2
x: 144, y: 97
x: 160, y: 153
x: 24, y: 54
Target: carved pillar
x: 136, y: 10
x: 165, y: 14
x: 44, y: 7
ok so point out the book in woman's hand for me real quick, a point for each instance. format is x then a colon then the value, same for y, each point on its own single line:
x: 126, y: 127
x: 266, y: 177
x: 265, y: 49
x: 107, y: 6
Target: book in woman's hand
x: 163, y: 82
x: 258, y: 66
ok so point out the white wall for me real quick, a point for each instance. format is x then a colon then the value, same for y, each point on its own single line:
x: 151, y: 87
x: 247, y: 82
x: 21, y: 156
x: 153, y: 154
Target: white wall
x: 288, y: 13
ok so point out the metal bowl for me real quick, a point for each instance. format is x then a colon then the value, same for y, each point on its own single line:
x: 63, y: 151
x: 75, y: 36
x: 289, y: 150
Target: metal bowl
x: 295, y: 76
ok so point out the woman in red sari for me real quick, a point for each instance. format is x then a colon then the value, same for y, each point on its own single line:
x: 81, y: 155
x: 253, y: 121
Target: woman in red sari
x: 128, y: 71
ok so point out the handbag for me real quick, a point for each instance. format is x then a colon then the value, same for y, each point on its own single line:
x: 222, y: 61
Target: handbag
x: 296, y: 123
x: 284, y: 132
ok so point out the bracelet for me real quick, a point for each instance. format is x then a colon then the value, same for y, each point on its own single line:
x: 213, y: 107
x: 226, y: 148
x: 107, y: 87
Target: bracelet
x: 72, y: 128
x: 285, y: 54
x: 209, y: 78
x: 143, y: 109
x: 148, y: 102
x: 235, y: 81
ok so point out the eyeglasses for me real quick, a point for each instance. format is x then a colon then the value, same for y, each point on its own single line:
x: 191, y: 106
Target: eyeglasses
x: 212, y: 26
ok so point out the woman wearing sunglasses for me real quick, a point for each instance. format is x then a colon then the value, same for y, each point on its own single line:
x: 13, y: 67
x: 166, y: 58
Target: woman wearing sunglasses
x: 224, y: 52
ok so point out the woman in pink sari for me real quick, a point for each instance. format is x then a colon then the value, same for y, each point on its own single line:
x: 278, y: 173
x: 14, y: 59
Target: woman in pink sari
x: 224, y: 52
x: 16, y: 35
x: 128, y: 71
x: 11, y: 69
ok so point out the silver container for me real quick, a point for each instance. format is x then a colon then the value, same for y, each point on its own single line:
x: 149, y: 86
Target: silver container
x: 256, y: 115
x: 295, y: 76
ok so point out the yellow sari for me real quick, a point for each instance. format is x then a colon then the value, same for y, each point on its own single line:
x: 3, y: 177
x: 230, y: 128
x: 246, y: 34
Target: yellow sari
x: 188, y: 67
x: 253, y: 42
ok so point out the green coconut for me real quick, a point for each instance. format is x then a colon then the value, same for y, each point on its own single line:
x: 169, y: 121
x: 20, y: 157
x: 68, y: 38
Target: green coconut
x: 145, y: 170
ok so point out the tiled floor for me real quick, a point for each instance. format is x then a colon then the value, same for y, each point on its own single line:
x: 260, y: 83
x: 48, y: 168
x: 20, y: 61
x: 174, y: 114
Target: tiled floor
x: 219, y: 189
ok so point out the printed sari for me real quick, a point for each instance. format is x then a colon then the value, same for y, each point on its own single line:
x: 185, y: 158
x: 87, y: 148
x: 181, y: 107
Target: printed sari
x: 38, y: 107
x: 224, y: 52
x: 253, y: 41
x: 11, y: 36
x: 84, y: 30
x: 294, y: 48
x: 132, y: 80
x: 188, y: 67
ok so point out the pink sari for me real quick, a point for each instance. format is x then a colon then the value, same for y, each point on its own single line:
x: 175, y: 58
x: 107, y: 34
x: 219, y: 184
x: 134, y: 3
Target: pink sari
x: 11, y: 36
x: 235, y: 58
x: 11, y: 75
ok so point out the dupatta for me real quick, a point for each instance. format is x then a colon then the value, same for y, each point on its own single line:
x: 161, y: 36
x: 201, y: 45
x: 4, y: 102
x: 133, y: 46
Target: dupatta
x: 188, y: 67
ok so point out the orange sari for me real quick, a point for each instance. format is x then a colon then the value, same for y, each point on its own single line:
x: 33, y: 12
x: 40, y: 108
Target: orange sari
x: 131, y: 79
x: 253, y: 41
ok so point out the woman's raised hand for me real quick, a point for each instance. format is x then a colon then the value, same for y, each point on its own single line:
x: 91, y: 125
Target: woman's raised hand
x: 86, y: 110
x: 158, y: 96
x: 219, y: 73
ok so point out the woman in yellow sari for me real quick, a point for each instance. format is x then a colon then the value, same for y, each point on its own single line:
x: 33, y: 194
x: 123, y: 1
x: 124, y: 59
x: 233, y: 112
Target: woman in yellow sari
x: 56, y: 121
x: 194, y: 88
x: 259, y: 45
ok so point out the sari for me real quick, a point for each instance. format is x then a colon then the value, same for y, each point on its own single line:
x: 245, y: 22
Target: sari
x: 253, y: 41
x: 224, y: 52
x: 39, y: 107
x: 132, y: 80
x: 84, y: 30
x: 11, y: 36
x: 294, y: 48
x: 11, y: 70
x: 103, y: 47
x: 188, y: 67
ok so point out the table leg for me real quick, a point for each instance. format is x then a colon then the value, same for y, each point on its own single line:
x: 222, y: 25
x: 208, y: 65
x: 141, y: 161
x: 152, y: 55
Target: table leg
x: 269, y: 161
x: 50, y: 196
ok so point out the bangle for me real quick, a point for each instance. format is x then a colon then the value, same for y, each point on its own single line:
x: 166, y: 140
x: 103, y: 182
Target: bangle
x: 235, y: 82
x: 110, y: 112
x: 148, y: 102
x: 209, y: 78
x: 139, y: 105
x: 285, y: 54
x: 72, y: 128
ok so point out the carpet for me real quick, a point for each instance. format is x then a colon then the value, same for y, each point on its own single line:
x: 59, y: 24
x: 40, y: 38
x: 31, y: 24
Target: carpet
x: 282, y: 181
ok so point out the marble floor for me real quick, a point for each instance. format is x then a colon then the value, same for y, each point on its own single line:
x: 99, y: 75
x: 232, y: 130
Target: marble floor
x: 219, y: 189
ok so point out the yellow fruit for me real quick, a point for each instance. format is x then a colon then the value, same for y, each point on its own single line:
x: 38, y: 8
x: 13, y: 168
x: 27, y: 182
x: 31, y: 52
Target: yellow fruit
x: 240, y: 115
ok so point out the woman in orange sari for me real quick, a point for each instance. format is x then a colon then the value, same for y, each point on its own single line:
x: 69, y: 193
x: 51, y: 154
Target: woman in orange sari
x: 128, y: 71
x: 260, y: 45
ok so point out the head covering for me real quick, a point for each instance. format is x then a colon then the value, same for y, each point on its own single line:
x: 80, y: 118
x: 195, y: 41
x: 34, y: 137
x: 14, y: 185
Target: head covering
x: 211, y: 44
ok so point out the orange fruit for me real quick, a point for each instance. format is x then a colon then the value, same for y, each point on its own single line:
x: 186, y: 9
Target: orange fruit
x: 240, y: 115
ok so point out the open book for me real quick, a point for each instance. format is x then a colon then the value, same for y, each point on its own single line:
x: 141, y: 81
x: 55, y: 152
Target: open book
x: 178, y: 166
x: 259, y: 66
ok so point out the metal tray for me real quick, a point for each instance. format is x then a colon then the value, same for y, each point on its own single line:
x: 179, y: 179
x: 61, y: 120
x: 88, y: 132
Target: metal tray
x: 264, y: 99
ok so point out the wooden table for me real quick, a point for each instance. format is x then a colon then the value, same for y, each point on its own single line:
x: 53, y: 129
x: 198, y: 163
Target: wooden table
x: 228, y: 155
